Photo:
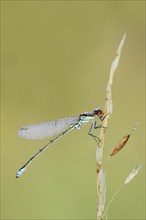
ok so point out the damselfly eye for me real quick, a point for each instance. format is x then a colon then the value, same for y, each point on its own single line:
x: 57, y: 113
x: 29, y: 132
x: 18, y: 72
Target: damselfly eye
x: 100, y: 112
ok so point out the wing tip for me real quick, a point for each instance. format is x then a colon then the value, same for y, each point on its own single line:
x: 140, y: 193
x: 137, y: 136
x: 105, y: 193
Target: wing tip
x: 20, y: 133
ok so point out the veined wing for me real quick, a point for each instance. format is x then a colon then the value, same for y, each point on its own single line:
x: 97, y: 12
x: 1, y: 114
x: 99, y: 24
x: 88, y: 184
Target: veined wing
x: 47, y: 129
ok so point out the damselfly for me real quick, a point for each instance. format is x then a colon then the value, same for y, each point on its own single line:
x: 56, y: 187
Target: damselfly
x: 59, y: 128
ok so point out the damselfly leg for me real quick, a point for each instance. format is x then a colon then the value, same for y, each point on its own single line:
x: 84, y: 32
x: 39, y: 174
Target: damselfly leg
x: 95, y: 126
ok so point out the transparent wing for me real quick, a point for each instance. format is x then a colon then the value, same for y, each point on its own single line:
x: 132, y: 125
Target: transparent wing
x: 47, y: 129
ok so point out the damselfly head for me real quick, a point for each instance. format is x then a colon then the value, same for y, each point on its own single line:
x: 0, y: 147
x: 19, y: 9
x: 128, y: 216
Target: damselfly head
x: 99, y: 113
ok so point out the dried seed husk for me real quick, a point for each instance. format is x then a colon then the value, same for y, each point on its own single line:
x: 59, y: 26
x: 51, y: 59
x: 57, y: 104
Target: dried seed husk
x: 120, y: 145
x: 133, y: 174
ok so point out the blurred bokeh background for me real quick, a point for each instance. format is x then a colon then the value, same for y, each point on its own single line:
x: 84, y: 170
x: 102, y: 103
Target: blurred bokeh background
x: 56, y: 57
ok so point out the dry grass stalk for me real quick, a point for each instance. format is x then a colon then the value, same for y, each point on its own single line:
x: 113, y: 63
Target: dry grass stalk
x: 108, y: 111
x: 129, y: 178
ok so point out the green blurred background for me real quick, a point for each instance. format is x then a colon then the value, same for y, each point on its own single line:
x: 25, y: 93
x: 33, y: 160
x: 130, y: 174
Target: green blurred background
x: 56, y: 57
